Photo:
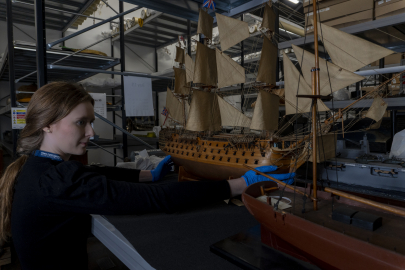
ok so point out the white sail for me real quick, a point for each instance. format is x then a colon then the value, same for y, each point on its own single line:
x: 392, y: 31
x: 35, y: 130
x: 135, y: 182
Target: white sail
x: 377, y: 109
x: 331, y: 77
x: 230, y: 116
x: 180, y: 84
x: 348, y: 51
x: 269, y: 18
x: 265, y: 114
x: 268, y: 62
x: 204, y: 112
x: 205, y: 70
x: 231, y: 31
x: 174, y: 107
x: 189, y: 68
x: 229, y: 72
x: 179, y: 55
x: 295, y: 84
x: 205, y: 24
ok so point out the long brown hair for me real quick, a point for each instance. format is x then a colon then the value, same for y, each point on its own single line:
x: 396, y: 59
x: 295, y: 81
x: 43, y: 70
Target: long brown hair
x: 48, y: 105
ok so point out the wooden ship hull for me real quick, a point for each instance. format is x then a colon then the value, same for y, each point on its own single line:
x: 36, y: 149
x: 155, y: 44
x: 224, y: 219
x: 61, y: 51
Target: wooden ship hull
x: 216, y: 158
x: 314, y: 237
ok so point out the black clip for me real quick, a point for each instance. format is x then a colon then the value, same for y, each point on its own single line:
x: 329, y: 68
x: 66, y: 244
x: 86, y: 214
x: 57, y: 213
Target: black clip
x: 315, y: 69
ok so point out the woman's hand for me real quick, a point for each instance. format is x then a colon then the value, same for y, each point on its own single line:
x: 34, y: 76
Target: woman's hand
x: 162, y: 168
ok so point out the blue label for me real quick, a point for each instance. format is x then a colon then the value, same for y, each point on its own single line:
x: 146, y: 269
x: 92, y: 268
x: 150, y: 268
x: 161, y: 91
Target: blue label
x: 39, y: 153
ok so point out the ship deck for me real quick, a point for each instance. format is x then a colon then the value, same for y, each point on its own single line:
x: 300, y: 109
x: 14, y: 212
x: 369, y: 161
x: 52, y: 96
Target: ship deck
x: 390, y: 235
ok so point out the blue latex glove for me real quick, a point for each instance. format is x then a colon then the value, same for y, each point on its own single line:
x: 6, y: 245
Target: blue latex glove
x: 251, y: 177
x: 162, y: 168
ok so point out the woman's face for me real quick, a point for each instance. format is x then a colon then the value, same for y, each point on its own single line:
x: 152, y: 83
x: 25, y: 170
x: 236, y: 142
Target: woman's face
x: 70, y: 135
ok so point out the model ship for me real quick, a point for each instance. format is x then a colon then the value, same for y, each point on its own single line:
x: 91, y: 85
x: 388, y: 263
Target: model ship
x: 201, y: 147
x: 327, y: 227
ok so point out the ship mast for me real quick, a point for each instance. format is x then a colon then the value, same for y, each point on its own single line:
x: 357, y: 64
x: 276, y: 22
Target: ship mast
x: 315, y: 93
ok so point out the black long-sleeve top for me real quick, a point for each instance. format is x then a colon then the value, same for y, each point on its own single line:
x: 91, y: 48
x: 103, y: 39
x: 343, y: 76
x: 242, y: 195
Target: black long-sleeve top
x: 50, y: 219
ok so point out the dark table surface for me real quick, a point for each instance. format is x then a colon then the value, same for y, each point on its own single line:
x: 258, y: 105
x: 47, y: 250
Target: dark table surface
x: 246, y: 250
x: 182, y: 240
x: 194, y: 238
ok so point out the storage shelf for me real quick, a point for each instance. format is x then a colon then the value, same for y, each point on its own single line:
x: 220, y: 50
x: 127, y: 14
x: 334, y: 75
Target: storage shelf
x: 6, y: 109
x: 367, y: 30
x: 25, y: 63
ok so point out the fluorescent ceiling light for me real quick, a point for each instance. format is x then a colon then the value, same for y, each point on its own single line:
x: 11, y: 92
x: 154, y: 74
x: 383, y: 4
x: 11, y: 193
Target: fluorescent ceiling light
x: 294, y: 1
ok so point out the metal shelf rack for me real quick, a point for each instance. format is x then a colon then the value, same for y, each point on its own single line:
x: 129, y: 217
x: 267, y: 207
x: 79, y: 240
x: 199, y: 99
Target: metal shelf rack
x: 25, y: 63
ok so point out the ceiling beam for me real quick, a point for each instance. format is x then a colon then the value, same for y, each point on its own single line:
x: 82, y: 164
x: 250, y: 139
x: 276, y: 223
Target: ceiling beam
x: 166, y: 8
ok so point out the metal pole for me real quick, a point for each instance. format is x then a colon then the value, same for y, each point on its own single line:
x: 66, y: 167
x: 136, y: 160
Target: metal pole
x: 10, y: 48
x: 113, y: 102
x: 41, y: 42
x: 242, y: 63
x: 357, y: 89
x: 50, y: 45
x: 92, y: 70
x: 122, y: 56
x: 102, y: 148
x: 393, y: 124
x: 157, y: 108
x: 189, y: 37
x: 122, y: 130
x: 381, y: 65
x: 315, y: 91
x: 277, y: 35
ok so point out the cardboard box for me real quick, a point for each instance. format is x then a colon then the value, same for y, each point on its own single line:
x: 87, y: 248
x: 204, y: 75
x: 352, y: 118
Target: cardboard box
x: 360, y: 17
x: 326, y: 148
x: 382, y: 3
x: 340, y: 10
x: 390, y: 59
x: 368, y: 88
x: 323, y: 4
x: 309, y: 2
x: 389, y: 9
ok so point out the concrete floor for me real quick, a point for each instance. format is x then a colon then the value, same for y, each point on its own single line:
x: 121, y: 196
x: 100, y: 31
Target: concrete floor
x: 100, y: 257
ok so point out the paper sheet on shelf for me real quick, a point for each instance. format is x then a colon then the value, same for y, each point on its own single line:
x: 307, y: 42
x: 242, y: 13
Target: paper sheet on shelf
x: 100, y: 103
x: 138, y: 96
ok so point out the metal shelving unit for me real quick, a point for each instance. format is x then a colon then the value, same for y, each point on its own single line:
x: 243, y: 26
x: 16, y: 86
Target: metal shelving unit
x: 25, y: 63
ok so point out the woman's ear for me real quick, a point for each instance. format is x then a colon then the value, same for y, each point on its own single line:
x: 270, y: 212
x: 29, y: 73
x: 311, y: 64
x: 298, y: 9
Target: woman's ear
x: 47, y: 129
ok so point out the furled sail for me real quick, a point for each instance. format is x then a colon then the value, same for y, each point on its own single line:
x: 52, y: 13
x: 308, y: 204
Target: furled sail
x: 348, y: 51
x: 230, y: 116
x: 268, y: 62
x: 205, y: 70
x: 174, y: 107
x: 377, y: 109
x: 339, y: 77
x: 179, y: 55
x: 269, y: 18
x: 205, y: 24
x: 204, y: 112
x: 265, y: 114
x: 229, y: 72
x: 189, y: 68
x: 180, y: 84
x: 231, y: 31
x: 295, y: 84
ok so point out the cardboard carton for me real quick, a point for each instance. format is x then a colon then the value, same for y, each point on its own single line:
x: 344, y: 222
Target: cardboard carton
x: 389, y: 9
x: 340, y: 10
x: 382, y: 3
x: 360, y: 17
x: 323, y: 4
x: 390, y: 59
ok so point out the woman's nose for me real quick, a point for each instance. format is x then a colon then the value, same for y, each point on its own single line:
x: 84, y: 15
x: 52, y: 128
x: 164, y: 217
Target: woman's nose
x: 89, y: 131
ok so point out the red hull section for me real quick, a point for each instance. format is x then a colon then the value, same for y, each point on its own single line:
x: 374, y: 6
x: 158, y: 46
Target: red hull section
x: 314, y: 243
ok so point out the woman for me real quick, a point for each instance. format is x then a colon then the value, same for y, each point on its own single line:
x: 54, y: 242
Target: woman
x: 46, y: 199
